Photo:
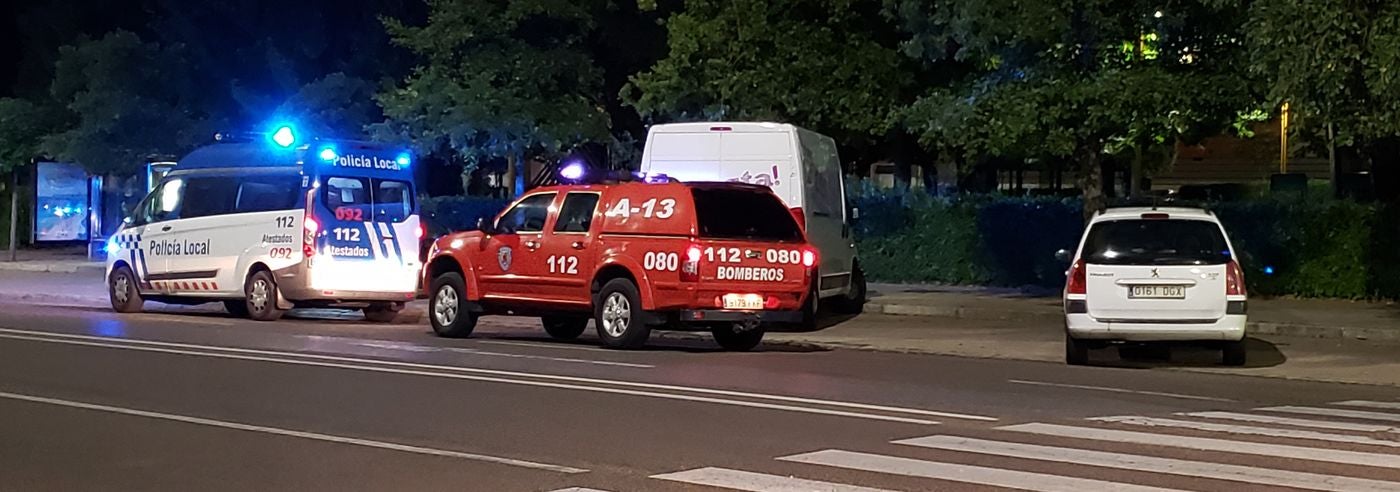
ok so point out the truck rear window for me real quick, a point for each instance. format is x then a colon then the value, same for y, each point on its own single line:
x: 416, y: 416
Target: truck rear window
x: 743, y: 214
x: 1156, y: 242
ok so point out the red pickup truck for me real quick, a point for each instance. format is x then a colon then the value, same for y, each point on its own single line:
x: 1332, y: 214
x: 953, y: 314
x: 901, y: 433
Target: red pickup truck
x: 632, y: 256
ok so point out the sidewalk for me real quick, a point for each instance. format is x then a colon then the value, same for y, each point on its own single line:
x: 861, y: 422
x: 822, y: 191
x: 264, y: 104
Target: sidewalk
x: 51, y: 260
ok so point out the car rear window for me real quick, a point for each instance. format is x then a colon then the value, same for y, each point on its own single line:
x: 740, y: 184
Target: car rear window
x: 1156, y: 242
x: 743, y: 214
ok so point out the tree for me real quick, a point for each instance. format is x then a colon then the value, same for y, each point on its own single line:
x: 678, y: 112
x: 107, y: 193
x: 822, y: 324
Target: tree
x: 1334, y: 62
x: 337, y: 105
x: 23, y: 125
x: 831, y: 65
x: 126, y: 100
x: 1073, y: 79
x: 498, y: 79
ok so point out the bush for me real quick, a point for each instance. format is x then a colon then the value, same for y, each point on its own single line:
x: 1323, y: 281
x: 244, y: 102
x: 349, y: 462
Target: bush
x: 1314, y: 247
x: 447, y: 214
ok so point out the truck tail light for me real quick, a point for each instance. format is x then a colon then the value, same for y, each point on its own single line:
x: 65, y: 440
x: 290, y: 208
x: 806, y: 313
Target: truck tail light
x: 690, y: 268
x: 1234, y: 280
x: 1078, y: 279
x: 809, y: 257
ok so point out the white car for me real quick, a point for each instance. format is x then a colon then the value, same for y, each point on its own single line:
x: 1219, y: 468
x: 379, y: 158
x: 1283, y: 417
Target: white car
x: 1154, y: 275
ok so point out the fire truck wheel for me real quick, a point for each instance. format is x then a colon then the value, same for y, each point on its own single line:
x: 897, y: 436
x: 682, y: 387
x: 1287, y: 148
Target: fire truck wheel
x: 618, y: 313
x: 564, y: 327
x: 730, y: 338
x: 450, y: 318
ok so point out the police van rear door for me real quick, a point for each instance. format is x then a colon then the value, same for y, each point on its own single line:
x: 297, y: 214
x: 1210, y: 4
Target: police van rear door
x: 367, y: 219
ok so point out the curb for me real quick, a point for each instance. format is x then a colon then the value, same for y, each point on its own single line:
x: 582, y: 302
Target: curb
x: 1254, y: 328
x: 41, y: 267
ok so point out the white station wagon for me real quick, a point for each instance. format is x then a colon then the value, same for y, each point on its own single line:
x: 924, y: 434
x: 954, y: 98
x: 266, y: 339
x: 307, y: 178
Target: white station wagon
x: 1154, y: 275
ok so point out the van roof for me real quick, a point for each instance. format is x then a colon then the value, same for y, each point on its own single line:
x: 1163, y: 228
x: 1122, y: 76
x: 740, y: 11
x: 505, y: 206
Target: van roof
x: 241, y: 154
x: 741, y: 126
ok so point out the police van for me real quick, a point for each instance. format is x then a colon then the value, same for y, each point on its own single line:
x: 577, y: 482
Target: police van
x: 800, y: 166
x: 267, y: 223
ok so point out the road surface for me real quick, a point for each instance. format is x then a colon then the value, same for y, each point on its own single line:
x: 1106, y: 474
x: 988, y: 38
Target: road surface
x: 196, y: 400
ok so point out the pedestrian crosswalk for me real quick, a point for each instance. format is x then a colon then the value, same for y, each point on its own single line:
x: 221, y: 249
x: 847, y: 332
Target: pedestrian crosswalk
x: 1342, y: 446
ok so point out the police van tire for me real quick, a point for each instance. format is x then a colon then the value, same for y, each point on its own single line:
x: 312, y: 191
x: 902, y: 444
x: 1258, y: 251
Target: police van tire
x: 854, y: 301
x: 446, y: 312
x: 121, y: 288
x: 733, y: 340
x: 617, y: 312
x: 564, y: 327
x: 260, y: 297
x: 381, y: 312
x: 237, y: 308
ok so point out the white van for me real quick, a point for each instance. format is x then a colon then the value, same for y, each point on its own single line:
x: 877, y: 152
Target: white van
x: 801, y: 166
x: 264, y: 226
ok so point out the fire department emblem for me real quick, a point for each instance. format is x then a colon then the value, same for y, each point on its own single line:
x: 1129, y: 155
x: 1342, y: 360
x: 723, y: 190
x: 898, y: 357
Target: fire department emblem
x: 503, y: 257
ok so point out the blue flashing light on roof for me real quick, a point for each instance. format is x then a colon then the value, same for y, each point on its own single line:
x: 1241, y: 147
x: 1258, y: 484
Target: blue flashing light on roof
x: 1268, y: 270
x: 328, y: 154
x: 284, y: 136
x: 404, y: 160
x: 572, y: 171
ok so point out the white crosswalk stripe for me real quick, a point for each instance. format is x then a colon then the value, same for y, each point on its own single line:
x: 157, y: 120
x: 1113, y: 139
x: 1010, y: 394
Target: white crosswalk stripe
x: 1249, y: 430
x: 1293, y: 449
x: 995, y: 477
x: 1235, y: 473
x: 1336, y: 412
x: 757, y: 482
x: 1295, y: 422
x: 1211, y: 444
x: 1388, y: 405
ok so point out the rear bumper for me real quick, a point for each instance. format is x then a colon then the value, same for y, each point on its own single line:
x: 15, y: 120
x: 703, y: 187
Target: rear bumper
x: 294, y: 283
x: 718, y: 315
x: 1227, y: 328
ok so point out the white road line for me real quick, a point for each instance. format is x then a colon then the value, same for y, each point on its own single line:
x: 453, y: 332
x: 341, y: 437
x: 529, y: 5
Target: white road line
x: 1336, y: 412
x: 1270, y: 419
x: 757, y: 482
x: 1210, y: 444
x: 545, y: 345
x: 294, y: 433
x: 995, y: 477
x: 552, y: 377
x: 1119, y: 390
x: 1151, y: 464
x: 543, y: 384
x: 1249, y: 430
x: 1385, y: 405
x: 408, y: 347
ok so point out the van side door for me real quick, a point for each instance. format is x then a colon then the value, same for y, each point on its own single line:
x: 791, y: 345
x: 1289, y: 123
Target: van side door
x: 157, y: 221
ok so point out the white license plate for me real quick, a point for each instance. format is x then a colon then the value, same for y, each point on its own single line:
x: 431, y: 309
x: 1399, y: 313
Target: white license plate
x: 746, y: 302
x: 1157, y: 292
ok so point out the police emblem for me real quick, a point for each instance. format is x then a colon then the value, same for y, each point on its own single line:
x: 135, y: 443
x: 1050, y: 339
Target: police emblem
x: 503, y: 257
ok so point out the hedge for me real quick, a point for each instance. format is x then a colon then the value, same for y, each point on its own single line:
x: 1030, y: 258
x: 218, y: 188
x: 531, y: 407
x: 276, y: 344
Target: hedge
x: 446, y: 214
x: 1314, y: 248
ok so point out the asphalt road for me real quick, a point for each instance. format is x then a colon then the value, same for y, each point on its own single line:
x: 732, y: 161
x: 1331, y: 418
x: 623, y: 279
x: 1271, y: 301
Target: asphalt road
x: 194, y: 400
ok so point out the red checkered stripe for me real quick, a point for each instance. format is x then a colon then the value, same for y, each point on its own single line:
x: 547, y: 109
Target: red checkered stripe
x: 174, y: 285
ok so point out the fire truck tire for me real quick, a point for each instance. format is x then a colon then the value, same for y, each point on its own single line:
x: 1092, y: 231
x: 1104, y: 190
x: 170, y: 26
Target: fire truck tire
x: 729, y: 338
x: 617, y: 311
x: 564, y: 327
x: 446, y: 309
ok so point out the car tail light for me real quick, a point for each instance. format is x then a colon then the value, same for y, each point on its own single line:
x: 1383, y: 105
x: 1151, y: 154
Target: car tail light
x: 1078, y: 279
x: 800, y: 217
x: 1234, y: 280
x: 422, y: 230
x: 770, y: 302
x: 809, y: 257
x: 308, y: 241
x: 690, y: 270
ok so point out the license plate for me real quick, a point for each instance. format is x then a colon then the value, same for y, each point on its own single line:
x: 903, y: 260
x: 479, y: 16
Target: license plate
x: 746, y: 302
x: 1157, y: 292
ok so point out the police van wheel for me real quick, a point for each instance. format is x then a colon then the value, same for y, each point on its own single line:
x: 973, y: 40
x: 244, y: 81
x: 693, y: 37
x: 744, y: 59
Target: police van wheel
x: 730, y: 338
x: 449, y: 317
x: 618, y: 315
x: 854, y: 301
x: 121, y: 287
x: 237, y: 308
x: 381, y: 312
x: 564, y: 327
x: 260, y: 297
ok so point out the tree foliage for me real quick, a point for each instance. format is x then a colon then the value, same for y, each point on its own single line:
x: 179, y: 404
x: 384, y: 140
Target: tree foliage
x: 498, y: 79
x: 820, y: 63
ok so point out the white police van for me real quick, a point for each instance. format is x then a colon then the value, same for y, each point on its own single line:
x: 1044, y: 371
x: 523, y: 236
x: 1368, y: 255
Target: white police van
x: 268, y: 223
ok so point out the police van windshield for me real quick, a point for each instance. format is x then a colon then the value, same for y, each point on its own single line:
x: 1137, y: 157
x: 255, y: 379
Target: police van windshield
x: 743, y: 214
x: 364, y: 199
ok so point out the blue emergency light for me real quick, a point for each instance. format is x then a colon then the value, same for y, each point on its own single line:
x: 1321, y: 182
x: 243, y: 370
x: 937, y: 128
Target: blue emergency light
x: 404, y: 160
x: 328, y: 154
x: 284, y: 136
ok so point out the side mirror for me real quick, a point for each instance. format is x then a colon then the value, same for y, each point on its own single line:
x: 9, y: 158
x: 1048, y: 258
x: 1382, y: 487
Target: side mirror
x: 484, y: 225
x: 1064, y: 256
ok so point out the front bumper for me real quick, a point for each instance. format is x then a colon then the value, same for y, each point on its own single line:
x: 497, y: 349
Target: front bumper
x: 719, y: 315
x: 1085, y: 327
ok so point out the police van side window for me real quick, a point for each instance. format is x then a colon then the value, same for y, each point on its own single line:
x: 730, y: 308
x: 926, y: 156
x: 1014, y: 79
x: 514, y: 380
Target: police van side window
x: 209, y: 196
x: 267, y: 193
x: 163, y: 204
x: 577, y: 213
x: 527, y: 216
